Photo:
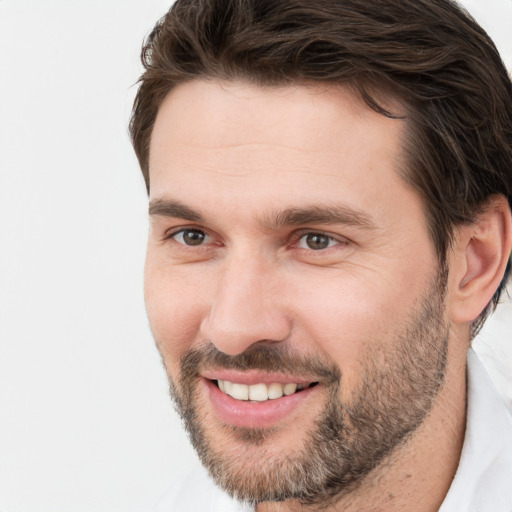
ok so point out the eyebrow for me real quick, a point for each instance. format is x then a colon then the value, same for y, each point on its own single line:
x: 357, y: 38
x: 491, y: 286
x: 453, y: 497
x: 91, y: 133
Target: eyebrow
x: 171, y: 208
x: 337, y: 214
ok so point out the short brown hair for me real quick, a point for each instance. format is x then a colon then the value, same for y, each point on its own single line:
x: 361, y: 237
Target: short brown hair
x: 430, y: 54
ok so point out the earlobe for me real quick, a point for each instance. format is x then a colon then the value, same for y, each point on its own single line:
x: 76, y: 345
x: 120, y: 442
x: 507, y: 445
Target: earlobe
x: 479, y: 260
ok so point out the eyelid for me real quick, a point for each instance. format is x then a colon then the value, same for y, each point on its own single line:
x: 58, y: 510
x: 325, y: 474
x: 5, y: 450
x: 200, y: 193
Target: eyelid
x: 171, y: 233
x: 302, y: 242
x: 299, y: 235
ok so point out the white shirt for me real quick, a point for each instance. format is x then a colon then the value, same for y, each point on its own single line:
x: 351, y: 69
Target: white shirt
x: 482, y: 483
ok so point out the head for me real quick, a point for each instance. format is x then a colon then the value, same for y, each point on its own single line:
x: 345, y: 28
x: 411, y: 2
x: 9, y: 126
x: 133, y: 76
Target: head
x: 430, y: 55
x: 255, y: 272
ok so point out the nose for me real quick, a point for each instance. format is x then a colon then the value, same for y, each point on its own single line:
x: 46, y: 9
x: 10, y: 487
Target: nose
x: 247, y: 307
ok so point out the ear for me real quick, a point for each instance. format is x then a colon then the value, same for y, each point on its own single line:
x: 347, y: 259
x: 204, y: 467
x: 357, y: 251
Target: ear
x: 478, y: 260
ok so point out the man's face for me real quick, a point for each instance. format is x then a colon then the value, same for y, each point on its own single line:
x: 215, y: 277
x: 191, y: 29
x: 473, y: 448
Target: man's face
x: 290, y: 264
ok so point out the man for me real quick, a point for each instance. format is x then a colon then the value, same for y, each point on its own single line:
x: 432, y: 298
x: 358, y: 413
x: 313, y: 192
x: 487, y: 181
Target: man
x: 330, y: 189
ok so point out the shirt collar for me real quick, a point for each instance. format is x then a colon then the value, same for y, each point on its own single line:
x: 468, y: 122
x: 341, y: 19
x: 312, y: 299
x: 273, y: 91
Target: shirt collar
x: 483, y: 481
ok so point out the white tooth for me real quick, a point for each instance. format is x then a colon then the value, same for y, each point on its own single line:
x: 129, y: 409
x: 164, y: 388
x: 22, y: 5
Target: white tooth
x: 258, y: 392
x: 227, y: 387
x: 275, y: 390
x: 220, y: 383
x: 290, y: 388
x: 300, y: 387
x: 239, y: 391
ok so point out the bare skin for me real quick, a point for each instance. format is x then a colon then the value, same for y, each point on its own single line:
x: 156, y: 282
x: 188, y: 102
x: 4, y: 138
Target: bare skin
x: 419, y: 474
x: 279, y: 219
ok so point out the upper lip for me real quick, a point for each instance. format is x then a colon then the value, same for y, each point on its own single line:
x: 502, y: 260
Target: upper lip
x: 250, y: 377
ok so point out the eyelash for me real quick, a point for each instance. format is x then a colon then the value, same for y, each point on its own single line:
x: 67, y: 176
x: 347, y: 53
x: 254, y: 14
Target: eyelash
x: 174, y: 233
x: 331, y: 240
x: 295, y: 240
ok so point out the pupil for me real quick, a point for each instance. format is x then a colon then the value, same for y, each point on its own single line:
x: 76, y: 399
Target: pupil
x: 193, y: 237
x: 317, y: 242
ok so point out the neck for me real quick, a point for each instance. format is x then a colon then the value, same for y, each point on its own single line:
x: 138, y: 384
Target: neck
x: 418, y: 474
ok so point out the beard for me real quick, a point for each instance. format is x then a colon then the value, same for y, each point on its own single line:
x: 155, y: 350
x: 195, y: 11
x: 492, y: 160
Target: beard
x: 346, y: 441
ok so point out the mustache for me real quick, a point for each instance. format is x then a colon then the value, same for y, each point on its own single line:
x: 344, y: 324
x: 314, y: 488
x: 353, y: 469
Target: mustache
x: 265, y: 357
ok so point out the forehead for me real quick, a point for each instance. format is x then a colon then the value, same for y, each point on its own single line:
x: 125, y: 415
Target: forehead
x: 218, y: 114
x: 218, y: 140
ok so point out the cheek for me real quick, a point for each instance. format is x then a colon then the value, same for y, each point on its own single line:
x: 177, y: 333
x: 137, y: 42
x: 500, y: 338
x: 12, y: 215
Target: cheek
x: 352, y: 321
x: 174, y: 311
x: 345, y: 307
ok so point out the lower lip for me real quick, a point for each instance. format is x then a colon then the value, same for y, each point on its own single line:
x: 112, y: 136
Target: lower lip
x: 244, y: 413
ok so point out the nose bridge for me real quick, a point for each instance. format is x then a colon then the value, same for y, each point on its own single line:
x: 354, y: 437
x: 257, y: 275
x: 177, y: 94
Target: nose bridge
x: 246, y: 307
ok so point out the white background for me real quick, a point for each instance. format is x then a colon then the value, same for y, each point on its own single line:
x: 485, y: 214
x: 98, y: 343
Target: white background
x: 85, y: 420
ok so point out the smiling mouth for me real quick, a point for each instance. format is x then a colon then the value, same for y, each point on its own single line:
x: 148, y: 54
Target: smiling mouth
x: 261, y: 392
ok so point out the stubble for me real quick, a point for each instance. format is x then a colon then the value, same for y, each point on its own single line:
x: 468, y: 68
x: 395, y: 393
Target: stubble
x: 347, y: 440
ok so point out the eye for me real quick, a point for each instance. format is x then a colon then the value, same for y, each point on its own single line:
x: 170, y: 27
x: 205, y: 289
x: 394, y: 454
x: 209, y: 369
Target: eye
x: 316, y: 241
x: 191, y: 237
